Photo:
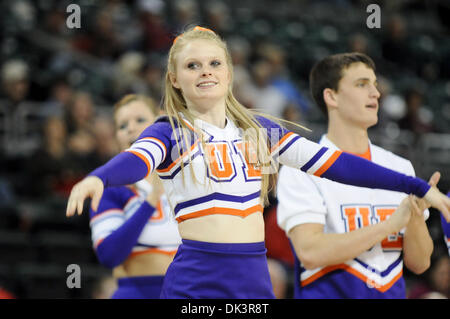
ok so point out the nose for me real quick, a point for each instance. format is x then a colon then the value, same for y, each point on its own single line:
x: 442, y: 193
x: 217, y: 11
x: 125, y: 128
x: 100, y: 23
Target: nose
x: 375, y: 93
x: 131, y: 128
x: 206, y: 71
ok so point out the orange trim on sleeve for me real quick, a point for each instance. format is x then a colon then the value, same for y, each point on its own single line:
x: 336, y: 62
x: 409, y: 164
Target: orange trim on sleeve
x: 281, y: 141
x: 142, y: 157
x: 328, y: 163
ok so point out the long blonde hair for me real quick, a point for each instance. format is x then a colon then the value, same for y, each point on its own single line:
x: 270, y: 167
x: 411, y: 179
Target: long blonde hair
x: 254, y: 137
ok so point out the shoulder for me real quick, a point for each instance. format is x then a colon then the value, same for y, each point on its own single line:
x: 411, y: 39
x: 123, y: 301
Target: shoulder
x: 161, y: 129
x: 266, y: 122
x: 394, y: 161
x: 161, y: 124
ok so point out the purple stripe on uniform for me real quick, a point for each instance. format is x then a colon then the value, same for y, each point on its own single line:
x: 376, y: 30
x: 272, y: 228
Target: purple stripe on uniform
x: 218, y: 196
x: 313, y: 160
x: 288, y: 144
x: 387, y: 271
x: 155, y: 143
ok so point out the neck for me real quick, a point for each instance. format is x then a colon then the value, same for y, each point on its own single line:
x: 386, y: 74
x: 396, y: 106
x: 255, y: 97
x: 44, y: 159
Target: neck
x: 347, y: 137
x: 214, y: 115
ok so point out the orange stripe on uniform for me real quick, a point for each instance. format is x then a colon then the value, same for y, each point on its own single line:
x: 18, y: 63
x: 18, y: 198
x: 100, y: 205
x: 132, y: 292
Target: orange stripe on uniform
x: 164, y: 170
x: 281, y: 141
x: 221, y: 210
x: 158, y: 141
x: 352, y: 271
x: 328, y: 163
x: 142, y: 157
x: 153, y: 251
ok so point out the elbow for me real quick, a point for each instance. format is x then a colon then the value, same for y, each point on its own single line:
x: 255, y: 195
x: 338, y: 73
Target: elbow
x: 308, y: 259
x: 419, y: 268
x: 107, y: 258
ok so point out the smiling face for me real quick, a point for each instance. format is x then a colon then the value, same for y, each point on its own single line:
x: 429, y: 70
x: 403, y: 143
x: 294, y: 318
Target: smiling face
x: 202, y: 74
x: 131, y: 119
x: 356, y: 99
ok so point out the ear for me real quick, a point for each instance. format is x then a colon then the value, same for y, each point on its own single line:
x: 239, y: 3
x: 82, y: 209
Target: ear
x: 173, y: 80
x: 330, y: 98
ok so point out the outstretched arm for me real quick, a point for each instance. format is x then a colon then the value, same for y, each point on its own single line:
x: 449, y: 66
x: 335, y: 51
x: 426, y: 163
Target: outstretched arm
x: 128, y: 167
x: 125, y: 168
x: 314, y: 159
x: 292, y: 150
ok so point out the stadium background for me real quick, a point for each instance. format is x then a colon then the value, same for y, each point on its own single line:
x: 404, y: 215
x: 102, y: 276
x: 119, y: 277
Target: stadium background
x: 58, y: 86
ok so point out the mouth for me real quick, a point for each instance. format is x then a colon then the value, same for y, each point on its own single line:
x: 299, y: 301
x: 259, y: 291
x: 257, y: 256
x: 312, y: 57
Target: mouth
x: 206, y: 84
x: 372, y: 106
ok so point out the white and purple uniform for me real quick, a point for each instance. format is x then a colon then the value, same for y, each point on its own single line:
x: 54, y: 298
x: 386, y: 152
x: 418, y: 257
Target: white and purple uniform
x: 376, y: 273
x: 124, y: 226
x: 230, y: 185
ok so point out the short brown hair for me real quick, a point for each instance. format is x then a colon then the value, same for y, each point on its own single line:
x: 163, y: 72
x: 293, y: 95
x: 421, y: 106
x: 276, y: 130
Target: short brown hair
x: 328, y: 72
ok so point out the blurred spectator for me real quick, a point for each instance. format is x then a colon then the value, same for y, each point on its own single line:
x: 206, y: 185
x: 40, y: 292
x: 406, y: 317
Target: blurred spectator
x: 392, y: 105
x: 80, y: 122
x: 358, y: 43
x: 240, y: 51
x: 19, y: 118
x: 106, y: 145
x: 60, y: 96
x: 15, y: 81
x: 418, y: 118
x: 104, y: 42
x: 395, y: 46
x: 50, y: 164
x: 152, y: 75
x: 54, y: 21
x: 435, y: 282
x: 185, y: 13
x: 157, y: 35
x: 129, y: 65
x: 281, y: 78
x: 54, y: 165
x: 262, y: 94
x: 81, y: 113
x: 218, y: 18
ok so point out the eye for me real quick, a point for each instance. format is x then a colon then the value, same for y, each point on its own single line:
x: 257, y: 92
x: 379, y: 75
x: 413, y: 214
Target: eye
x: 123, y: 126
x: 216, y: 63
x: 361, y: 84
x: 141, y: 120
x: 193, y: 65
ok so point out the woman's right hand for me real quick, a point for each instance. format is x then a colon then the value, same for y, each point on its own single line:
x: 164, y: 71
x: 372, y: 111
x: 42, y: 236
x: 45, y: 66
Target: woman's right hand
x: 90, y: 187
